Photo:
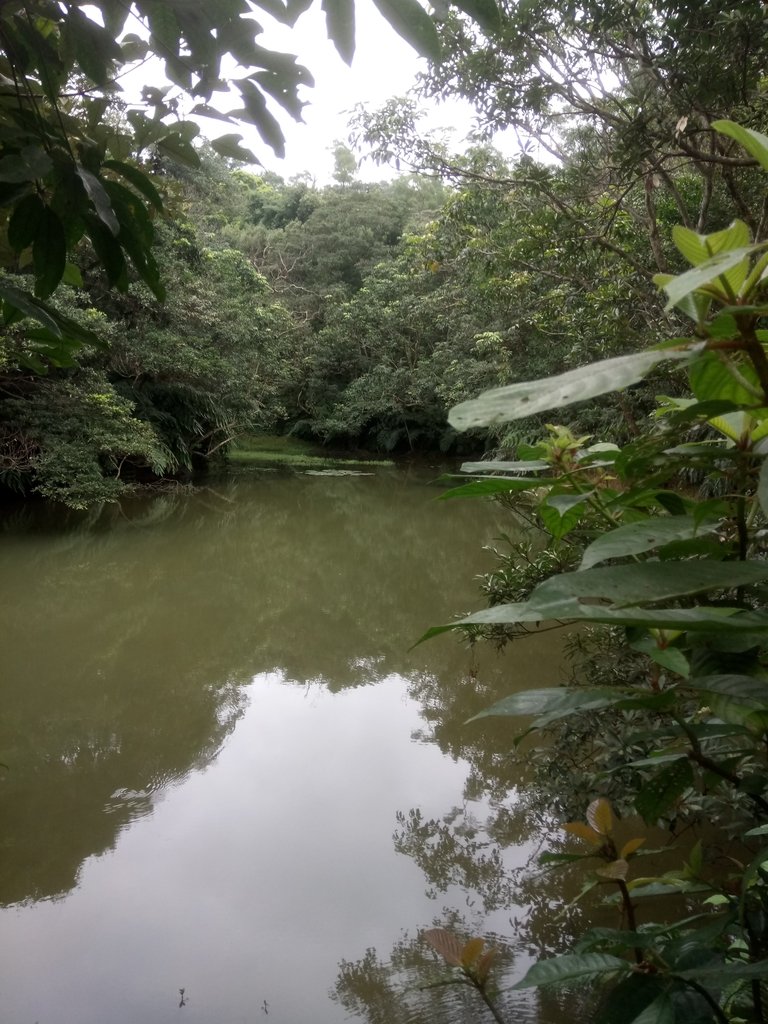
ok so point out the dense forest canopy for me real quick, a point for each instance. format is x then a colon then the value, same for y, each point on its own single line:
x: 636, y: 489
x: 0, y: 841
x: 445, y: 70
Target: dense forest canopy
x: 142, y: 253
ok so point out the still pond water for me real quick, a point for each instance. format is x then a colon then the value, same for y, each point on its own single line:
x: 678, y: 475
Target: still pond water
x: 227, y: 772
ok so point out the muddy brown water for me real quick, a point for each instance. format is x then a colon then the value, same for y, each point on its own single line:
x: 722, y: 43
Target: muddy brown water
x: 232, y: 789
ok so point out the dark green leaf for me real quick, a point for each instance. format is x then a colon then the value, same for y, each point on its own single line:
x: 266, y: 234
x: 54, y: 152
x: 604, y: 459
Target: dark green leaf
x: 700, y: 619
x: 659, y: 794
x: 635, y: 997
x: 637, y: 538
x: 179, y: 149
x: 229, y: 146
x: 725, y: 974
x: 572, y: 967
x: 668, y: 657
x: 554, y: 699
x: 24, y: 222
x: 49, y: 253
x: 31, y: 163
x: 255, y: 111
x: 340, y: 26
x: 494, y: 485
x: 561, y: 513
x: 61, y: 326
x: 99, y: 198
x: 140, y: 181
x: 647, y: 581
x: 484, y: 12
x: 110, y: 254
x: 409, y: 19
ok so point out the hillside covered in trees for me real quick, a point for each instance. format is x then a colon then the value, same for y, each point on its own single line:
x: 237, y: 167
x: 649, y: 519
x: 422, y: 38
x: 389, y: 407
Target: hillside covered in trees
x: 355, y: 315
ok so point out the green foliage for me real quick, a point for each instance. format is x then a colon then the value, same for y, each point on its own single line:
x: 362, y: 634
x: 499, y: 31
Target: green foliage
x: 682, y: 583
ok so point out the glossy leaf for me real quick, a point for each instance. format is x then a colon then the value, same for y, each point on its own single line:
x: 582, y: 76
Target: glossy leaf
x: 646, y: 581
x: 553, y: 700
x: 526, y: 399
x: 572, y: 967
x: 725, y: 974
x: 637, y: 538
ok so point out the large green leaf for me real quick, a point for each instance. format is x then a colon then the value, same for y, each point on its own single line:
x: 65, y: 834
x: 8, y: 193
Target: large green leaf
x: 645, y: 581
x: 698, y: 248
x: 572, y: 967
x: 138, y: 179
x: 49, y: 253
x: 711, y: 379
x: 31, y: 163
x: 409, y: 19
x: 637, y: 538
x: 24, y: 221
x: 484, y: 12
x: 725, y: 974
x: 493, y: 485
x: 708, y: 273
x: 755, y: 143
x: 503, y: 466
x: 556, y: 702
x: 61, y: 326
x: 561, y: 513
x: 255, y: 109
x: 340, y: 24
x: 700, y: 619
x: 530, y: 397
x: 98, y: 196
x: 229, y: 146
x: 638, y: 999
x: 750, y: 689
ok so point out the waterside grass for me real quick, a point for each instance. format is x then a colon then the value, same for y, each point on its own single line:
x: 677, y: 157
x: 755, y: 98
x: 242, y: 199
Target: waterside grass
x: 268, y: 450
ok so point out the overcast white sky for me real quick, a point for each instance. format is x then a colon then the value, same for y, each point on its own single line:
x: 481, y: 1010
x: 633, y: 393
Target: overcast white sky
x: 383, y: 66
